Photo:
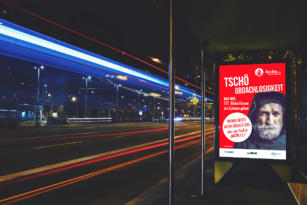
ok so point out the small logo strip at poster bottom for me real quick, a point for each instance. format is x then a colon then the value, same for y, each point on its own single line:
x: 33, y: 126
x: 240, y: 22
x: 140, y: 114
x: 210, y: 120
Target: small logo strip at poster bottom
x: 229, y: 152
x: 251, y: 152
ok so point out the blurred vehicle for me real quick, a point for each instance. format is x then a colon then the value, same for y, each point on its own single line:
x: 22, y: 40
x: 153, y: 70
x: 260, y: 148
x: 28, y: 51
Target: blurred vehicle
x: 31, y: 115
x: 24, y: 115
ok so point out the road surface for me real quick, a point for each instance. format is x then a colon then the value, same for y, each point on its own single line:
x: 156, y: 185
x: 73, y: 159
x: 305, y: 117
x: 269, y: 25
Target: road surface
x: 93, y: 163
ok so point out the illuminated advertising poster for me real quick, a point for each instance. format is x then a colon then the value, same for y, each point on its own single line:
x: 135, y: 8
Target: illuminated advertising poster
x: 252, y: 111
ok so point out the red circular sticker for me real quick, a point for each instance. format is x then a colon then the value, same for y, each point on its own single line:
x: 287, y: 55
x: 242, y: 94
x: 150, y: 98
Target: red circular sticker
x: 237, y: 127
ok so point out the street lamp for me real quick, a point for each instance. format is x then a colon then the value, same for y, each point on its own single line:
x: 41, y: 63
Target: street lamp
x: 117, y: 86
x: 38, y: 79
x: 75, y: 104
x: 38, y: 68
x: 73, y: 99
x: 86, y: 78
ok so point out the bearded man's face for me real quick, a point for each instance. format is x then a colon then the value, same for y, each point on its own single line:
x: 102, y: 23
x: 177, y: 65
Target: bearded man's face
x: 269, y: 121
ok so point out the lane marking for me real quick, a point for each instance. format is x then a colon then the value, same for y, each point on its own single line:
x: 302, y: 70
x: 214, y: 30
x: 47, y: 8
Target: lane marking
x: 2, y: 141
x: 29, y: 194
x: 57, y: 145
x: 58, y: 165
x: 45, y: 136
x: 72, y: 136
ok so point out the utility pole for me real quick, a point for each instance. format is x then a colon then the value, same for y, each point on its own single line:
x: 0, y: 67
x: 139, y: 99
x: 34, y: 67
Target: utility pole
x: 86, y: 78
x: 117, y: 85
x: 203, y: 115
x: 171, y: 109
x: 37, y: 110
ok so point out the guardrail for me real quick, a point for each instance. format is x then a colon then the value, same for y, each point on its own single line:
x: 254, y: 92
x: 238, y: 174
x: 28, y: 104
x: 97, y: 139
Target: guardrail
x: 189, y: 119
x: 87, y: 119
x: 109, y: 119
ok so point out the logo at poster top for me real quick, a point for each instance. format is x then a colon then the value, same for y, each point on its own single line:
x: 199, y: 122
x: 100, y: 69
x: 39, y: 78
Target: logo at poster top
x: 272, y: 72
x: 259, y: 72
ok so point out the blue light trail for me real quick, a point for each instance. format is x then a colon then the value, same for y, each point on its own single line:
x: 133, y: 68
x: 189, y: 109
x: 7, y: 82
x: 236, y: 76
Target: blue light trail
x: 20, y: 42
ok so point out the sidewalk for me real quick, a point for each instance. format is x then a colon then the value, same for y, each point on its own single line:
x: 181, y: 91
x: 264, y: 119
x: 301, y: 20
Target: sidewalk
x: 246, y: 185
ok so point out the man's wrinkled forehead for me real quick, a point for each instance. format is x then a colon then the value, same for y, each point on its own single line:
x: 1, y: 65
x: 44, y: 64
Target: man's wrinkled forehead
x: 271, y: 107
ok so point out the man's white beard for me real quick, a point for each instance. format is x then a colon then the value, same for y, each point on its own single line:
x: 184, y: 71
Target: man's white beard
x: 269, y: 132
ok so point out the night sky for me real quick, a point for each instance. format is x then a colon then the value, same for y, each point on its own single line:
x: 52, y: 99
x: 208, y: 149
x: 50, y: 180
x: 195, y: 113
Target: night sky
x: 141, y: 27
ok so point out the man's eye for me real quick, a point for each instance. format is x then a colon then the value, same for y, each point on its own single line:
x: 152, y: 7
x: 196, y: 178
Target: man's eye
x: 276, y: 113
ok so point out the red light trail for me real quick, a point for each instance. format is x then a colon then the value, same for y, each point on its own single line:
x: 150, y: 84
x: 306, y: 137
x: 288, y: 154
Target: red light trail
x: 80, y: 136
x: 23, y: 196
x: 100, y: 159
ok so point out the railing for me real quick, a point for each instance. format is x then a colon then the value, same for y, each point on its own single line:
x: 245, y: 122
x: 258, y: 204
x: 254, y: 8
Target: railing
x: 86, y: 119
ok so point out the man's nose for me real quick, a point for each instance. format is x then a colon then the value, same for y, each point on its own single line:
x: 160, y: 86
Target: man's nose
x: 269, y: 120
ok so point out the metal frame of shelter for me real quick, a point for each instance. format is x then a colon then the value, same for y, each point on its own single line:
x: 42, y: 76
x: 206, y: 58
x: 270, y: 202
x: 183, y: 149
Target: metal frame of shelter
x: 172, y: 111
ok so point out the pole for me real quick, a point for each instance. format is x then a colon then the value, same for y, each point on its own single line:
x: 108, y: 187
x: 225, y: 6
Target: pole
x: 37, y: 98
x: 171, y: 110
x: 154, y: 112
x: 38, y: 79
x: 202, y: 120
x: 85, y: 96
x: 139, y: 106
x: 117, y: 103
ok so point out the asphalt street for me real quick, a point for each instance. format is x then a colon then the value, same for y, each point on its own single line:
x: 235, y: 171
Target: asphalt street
x: 91, y: 164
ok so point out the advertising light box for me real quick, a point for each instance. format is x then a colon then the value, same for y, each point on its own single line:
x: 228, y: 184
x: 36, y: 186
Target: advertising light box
x: 252, y: 105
